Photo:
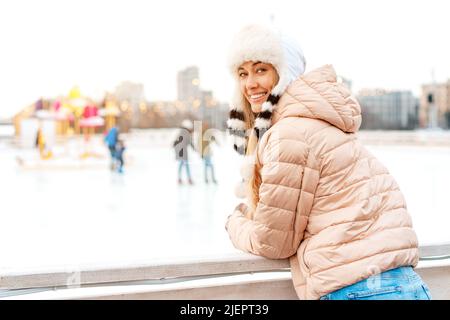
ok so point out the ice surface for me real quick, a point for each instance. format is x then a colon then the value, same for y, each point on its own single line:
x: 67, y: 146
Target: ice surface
x: 74, y: 214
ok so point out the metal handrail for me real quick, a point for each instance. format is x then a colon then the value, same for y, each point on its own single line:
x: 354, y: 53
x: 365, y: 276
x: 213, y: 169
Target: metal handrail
x: 214, y: 266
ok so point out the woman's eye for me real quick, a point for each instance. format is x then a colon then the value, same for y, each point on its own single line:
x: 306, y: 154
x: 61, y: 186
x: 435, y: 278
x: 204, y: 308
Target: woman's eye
x: 242, y: 74
x: 260, y: 70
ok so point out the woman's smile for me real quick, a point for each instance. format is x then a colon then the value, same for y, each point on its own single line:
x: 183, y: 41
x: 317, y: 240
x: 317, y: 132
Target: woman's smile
x: 257, y: 98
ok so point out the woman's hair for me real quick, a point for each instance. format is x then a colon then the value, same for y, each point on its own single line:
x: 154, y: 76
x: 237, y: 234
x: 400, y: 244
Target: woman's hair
x: 249, y: 116
x: 255, y: 180
x: 254, y: 184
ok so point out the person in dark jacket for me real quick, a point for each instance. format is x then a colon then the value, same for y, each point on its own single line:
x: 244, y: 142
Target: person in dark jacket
x: 111, y: 141
x: 181, y: 144
x: 120, y: 148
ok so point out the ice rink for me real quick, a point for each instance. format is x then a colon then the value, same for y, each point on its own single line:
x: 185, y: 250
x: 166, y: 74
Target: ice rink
x: 71, y: 214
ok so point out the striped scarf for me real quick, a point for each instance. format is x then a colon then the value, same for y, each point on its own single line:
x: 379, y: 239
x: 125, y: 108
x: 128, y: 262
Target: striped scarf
x: 263, y: 121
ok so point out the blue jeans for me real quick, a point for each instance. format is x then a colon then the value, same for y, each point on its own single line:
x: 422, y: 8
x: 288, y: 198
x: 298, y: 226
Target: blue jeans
x: 208, y: 164
x: 180, y: 167
x: 397, y: 284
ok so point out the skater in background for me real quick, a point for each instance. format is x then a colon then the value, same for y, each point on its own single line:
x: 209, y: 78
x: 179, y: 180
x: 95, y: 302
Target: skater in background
x: 120, y: 148
x: 111, y: 141
x: 206, y: 152
x: 181, y: 145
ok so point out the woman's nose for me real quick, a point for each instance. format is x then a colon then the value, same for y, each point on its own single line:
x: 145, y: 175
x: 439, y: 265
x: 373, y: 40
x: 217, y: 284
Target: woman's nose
x: 251, y: 82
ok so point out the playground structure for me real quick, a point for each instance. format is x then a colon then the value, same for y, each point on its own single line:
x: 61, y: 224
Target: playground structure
x: 75, y: 114
x: 44, y: 152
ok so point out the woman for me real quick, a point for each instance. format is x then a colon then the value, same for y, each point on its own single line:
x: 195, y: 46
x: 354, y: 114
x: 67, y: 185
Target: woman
x: 315, y: 194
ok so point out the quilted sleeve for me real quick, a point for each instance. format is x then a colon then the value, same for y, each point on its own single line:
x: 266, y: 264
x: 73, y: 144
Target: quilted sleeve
x: 276, y: 228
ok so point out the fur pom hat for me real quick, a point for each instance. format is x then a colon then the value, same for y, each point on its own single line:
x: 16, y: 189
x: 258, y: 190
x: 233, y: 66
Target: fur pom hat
x: 187, y: 124
x: 260, y: 43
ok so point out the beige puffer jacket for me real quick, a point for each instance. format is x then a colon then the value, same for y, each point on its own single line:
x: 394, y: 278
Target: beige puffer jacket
x: 325, y: 201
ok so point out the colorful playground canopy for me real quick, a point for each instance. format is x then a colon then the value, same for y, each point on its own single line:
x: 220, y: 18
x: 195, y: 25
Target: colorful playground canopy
x: 92, y: 122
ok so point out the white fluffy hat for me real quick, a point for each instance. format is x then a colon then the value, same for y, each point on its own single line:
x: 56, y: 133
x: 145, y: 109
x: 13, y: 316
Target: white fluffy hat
x: 265, y: 44
x: 261, y: 43
x: 187, y: 124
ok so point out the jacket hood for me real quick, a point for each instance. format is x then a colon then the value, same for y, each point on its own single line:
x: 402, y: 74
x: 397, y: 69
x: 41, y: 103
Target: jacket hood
x: 318, y: 95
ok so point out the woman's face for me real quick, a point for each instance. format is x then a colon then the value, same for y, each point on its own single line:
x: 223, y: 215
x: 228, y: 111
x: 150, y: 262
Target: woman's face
x: 256, y: 81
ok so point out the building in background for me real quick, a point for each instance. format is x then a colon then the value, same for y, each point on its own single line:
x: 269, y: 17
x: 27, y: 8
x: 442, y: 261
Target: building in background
x: 388, y: 110
x: 127, y: 108
x: 199, y: 104
x: 130, y: 96
x: 434, y: 108
x: 188, y: 87
x: 159, y: 114
x: 347, y: 82
x: 212, y: 111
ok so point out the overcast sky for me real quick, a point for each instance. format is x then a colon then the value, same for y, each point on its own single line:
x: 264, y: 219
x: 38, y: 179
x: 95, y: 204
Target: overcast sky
x: 47, y: 46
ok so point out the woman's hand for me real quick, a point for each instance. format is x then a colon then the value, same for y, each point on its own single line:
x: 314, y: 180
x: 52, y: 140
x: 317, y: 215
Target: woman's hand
x: 241, y: 207
x: 244, y: 210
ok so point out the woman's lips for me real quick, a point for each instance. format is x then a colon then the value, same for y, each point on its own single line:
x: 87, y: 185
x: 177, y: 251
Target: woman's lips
x: 257, y: 97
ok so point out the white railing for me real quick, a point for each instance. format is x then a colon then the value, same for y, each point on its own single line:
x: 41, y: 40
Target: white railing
x: 237, y: 276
